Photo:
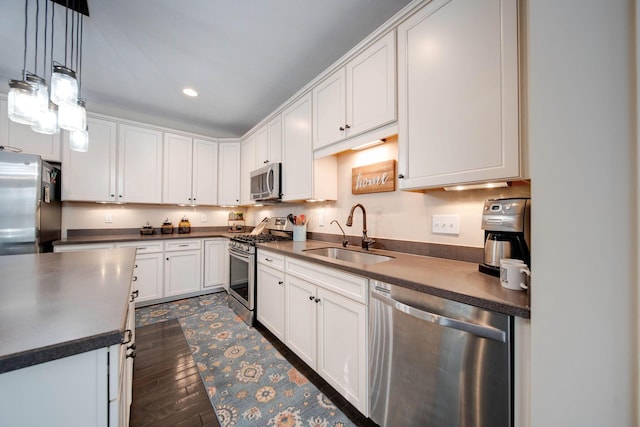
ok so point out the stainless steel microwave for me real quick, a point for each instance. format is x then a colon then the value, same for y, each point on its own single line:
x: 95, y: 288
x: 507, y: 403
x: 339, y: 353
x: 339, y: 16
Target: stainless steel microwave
x: 266, y: 183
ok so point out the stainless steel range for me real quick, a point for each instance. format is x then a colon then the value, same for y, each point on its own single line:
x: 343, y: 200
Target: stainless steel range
x: 242, y: 265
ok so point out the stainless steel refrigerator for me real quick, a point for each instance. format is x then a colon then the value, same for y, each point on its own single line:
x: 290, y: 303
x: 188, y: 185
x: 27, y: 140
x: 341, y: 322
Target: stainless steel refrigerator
x: 30, y: 208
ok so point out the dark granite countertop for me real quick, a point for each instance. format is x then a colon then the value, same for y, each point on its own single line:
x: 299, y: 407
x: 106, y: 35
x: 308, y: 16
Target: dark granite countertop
x: 454, y: 280
x: 55, y: 305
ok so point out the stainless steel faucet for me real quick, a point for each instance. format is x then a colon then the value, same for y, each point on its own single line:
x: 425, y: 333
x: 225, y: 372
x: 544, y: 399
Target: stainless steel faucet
x: 366, y: 241
x: 345, y: 242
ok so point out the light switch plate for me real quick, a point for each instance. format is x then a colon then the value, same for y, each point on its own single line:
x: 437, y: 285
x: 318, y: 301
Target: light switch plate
x: 445, y: 224
x: 108, y: 218
x: 203, y: 217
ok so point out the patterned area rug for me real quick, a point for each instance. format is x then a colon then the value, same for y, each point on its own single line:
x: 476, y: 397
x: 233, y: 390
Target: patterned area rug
x: 248, y: 381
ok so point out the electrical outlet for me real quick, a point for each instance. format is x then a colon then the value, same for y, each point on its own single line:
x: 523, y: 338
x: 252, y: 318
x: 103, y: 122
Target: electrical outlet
x: 203, y: 217
x: 445, y: 224
x: 108, y: 218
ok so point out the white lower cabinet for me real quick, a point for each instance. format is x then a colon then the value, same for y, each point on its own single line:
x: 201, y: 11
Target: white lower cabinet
x: 148, y: 271
x: 216, y: 264
x: 301, y: 319
x: 183, y: 267
x: 168, y: 269
x: 324, y: 313
x: 342, y: 346
x: 86, y: 389
x: 271, y: 299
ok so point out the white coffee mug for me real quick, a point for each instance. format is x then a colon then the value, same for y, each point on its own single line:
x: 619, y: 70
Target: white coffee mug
x: 514, y: 274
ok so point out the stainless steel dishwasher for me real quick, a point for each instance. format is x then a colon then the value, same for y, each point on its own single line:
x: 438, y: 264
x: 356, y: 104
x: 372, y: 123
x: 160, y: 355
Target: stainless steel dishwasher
x: 436, y: 362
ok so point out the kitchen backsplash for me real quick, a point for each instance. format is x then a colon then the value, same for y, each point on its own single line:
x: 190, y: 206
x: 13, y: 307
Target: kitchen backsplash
x: 399, y: 215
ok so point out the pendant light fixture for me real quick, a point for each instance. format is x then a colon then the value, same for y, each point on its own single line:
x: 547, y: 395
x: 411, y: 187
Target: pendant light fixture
x: 64, y: 85
x: 46, y: 121
x: 21, y: 99
x: 30, y: 101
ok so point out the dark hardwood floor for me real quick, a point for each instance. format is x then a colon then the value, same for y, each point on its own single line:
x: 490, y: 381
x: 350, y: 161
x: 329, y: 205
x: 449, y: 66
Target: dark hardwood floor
x: 168, y: 391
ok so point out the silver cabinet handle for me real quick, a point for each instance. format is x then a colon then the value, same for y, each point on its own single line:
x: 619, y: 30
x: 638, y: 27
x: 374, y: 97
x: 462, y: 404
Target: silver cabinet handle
x: 447, y: 322
x: 268, y: 259
x: 183, y: 246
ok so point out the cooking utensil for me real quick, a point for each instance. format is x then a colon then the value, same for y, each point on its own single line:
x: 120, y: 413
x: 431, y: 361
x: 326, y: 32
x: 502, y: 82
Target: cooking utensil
x: 291, y: 219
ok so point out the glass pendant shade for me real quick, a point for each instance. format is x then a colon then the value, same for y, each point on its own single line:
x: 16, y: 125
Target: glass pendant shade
x: 79, y: 141
x: 41, y: 95
x: 72, y: 117
x: 47, y: 122
x: 21, y: 102
x: 64, y: 86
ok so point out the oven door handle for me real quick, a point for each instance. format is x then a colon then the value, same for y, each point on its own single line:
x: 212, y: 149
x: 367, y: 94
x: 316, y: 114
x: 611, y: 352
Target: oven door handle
x: 240, y: 256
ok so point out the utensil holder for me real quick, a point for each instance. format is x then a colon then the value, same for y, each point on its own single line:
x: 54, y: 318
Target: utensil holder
x: 299, y: 233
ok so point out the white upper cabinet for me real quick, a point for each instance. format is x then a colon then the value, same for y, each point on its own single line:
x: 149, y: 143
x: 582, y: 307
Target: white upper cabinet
x: 139, y: 165
x: 205, y: 172
x: 269, y: 142
x: 21, y: 136
x: 297, y: 180
x: 249, y: 153
x: 229, y: 174
x: 358, y: 97
x: 178, y: 166
x: 190, y: 171
x: 91, y: 176
x: 303, y: 178
x: 458, y: 94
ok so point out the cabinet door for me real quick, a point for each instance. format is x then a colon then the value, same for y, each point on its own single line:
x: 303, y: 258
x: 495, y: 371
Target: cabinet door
x: 371, y: 86
x: 229, y: 174
x: 458, y: 94
x: 262, y: 146
x: 176, y: 177
x: 300, y: 318
x: 205, y: 172
x: 248, y: 165
x: 297, y: 166
x: 269, y: 142
x: 275, y: 139
x: 139, y: 165
x: 270, y: 311
x: 148, y: 277
x: 329, y: 113
x: 216, y: 270
x: 91, y: 176
x: 21, y: 136
x: 342, y: 352
x: 182, y: 272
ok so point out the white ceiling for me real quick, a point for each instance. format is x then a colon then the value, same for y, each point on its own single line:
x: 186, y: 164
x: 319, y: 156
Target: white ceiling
x: 244, y: 57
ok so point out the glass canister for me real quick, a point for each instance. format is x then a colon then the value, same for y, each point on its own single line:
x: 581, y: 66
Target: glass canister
x: 184, y: 226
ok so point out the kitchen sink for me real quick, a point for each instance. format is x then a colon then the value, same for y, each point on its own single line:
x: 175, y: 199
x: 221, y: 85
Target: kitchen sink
x: 348, y: 255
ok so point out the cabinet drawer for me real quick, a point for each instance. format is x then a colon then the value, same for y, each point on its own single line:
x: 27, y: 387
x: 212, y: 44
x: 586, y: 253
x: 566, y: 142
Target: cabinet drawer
x: 182, y: 245
x: 82, y: 247
x: 271, y: 259
x: 142, y: 247
x: 349, y: 285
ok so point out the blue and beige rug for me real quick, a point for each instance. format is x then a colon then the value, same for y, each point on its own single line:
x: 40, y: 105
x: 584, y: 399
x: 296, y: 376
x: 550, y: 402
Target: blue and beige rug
x: 248, y: 381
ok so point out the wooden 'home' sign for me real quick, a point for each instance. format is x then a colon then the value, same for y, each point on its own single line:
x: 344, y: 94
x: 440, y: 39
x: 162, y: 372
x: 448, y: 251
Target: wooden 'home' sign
x: 376, y: 178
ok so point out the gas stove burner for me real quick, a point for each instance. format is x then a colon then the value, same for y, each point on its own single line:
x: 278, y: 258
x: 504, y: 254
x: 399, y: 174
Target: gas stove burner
x: 259, y: 238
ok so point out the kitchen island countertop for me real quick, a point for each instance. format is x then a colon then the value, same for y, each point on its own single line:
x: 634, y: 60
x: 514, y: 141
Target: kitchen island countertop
x: 454, y: 280
x: 54, y: 305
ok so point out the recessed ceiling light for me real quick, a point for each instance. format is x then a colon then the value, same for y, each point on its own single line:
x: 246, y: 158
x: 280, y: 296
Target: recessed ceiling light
x: 189, y: 92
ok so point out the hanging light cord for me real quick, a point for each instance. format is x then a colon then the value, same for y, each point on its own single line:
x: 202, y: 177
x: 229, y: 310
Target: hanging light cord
x: 73, y: 26
x: 24, y: 60
x: 44, y: 61
x: 35, y: 59
x: 66, y: 28
x: 79, y: 67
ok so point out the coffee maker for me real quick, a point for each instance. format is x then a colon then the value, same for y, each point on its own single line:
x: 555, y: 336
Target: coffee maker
x: 506, y: 225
